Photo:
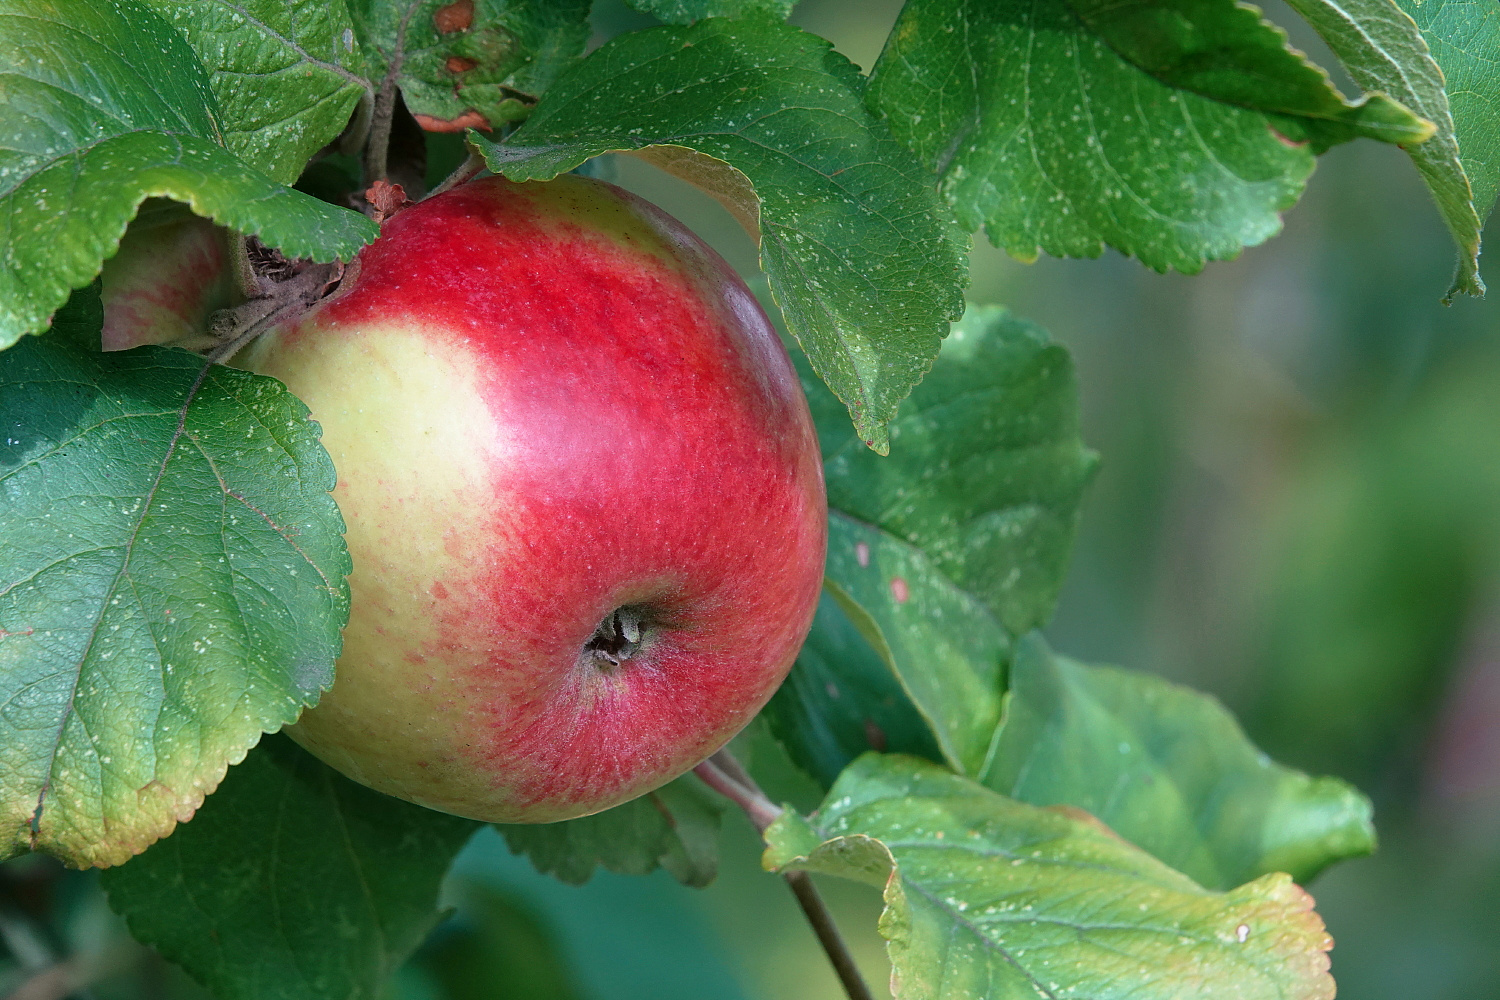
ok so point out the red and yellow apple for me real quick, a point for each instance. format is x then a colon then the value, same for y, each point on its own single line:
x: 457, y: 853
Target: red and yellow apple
x: 583, y: 498
x: 172, y: 271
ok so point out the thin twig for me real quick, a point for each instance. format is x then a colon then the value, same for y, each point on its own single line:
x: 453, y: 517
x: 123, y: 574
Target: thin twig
x: 472, y: 167
x: 725, y: 775
x: 828, y: 935
x: 716, y: 773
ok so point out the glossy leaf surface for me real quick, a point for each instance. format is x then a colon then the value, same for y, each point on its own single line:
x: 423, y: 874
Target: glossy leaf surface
x: 286, y: 74
x: 171, y: 586
x: 1056, y: 144
x: 989, y: 897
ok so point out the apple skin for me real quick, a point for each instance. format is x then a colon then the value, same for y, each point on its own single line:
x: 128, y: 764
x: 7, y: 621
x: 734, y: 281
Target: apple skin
x: 546, y: 402
x: 172, y: 271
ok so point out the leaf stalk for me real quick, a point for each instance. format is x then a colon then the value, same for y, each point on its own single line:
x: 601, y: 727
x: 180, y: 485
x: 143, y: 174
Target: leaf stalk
x: 725, y: 775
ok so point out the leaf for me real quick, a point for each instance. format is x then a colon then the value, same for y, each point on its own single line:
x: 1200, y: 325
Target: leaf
x: 292, y: 883
x: 990, y: 897
x: 1383, y: 49
x: 947, y: 648
x: 675, y: 827
x: 861, y: 260
x: 471, y: 63
x: 986, y: 469
x: 1464, y: 40
x: 105, y: 105
x: 688, y: 11
x: 842, y: 699
x: 1225, y: 50
x: 1169, y: 770
x: 286, y: 74
x: 81, y: 320
x: 171, y: 586
x: 1056, y: 144
x: 496, y: 947
x: 944, y: 551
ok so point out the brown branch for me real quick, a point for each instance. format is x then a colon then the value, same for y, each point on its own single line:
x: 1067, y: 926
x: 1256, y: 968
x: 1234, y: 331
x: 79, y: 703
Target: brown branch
x: 383, y: 112
x: 725, y: 775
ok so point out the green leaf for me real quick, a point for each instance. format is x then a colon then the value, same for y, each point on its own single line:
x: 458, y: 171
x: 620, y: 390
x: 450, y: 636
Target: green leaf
x: 286, y: 74
x: 986, y: 469
x: 688, y: 11
x: 986, y: 896
x: 944, y: 551
x: 1169, y: 770
x: 675, y: 827
x: 770, y: 120
x: 1464, y: 40
x: 471, y: 63
x: 291, y: 883
x: 842, y: 699
x: 947, y: 648
x: 1383, y: 49
x: 1056, y: 144
x: 104, y: 106
x: 81, y: 320
x: 496, y: 948
x: 171, y: 586
x: 1225, y: 50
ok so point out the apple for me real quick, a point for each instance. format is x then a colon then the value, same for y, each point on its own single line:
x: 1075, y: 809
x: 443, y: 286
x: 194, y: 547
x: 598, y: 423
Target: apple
x: 583, y: 497
x: 172, y: 272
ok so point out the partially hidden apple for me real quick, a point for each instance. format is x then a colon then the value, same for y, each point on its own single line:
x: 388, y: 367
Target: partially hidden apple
x: 583, y: 499
x: 173, y: 270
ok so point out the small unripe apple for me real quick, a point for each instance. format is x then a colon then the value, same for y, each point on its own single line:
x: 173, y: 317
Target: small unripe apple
x: 172, y: 272
x: 583, y: 496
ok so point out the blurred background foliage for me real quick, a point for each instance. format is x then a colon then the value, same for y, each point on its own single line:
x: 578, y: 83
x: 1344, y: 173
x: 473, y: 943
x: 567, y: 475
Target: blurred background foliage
x: 1298, y: 511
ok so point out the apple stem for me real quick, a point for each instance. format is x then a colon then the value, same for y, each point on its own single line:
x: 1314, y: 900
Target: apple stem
x: 725, y: 775
x: 286, y: 298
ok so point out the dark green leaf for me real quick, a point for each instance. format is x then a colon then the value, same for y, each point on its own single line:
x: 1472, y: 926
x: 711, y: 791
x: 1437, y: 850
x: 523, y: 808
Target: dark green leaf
x: 770, y: 121
x: 675, y: 827
x: 81, y: 320
x: 471, y: 63
x: 1464, y: 40
x: 291, y: 883
x: 988, y: 897
x: 944, y: 551
x: 286, y: 73
x: 104, y: 106
x: 986, y: 469
x: 688, y: 11
x: 171, y: 586
x: 842, y: 699
x: 1225, y: 50
x: 497, y: 948
x: 1055, y: 143
x: 1383, y: 49
x: 1170, y: 770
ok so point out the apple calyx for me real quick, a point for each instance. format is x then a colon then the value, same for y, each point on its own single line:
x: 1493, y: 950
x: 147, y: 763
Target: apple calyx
x: 618, y: 638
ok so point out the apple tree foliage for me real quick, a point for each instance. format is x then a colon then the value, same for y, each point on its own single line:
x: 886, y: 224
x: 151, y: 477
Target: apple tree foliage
x: 172, y: 573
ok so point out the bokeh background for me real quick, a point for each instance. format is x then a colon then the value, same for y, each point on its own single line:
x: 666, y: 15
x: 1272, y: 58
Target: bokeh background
x: 1298, y: 511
